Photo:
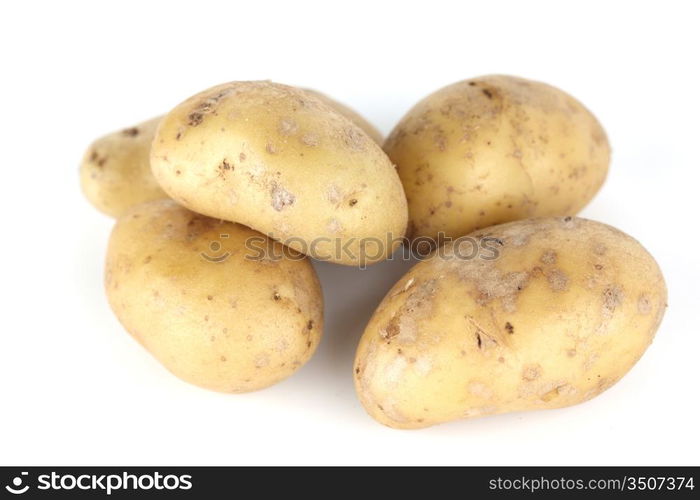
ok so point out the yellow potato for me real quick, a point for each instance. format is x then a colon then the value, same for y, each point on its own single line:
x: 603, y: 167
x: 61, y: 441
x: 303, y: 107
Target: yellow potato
x: 496, y: 149
x: 193, y: 291
x: 115, y: 173
x: 552, y: 312
x: 350, y: 114
x: 279, y: 160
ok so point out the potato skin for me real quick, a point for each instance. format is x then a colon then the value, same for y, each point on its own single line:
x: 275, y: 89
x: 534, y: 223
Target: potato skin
x: 562, y: 314
x: 350, y: 114
x: 279, y: 160
x: 115, y: 173
x: 227, y: 324
x: 496, y: 149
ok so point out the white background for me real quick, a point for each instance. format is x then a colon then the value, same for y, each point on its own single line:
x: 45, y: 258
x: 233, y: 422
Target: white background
x: 76, y: 389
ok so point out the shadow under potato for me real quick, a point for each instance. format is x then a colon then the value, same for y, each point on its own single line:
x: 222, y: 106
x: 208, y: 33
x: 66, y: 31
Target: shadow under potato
x: 351, y: 296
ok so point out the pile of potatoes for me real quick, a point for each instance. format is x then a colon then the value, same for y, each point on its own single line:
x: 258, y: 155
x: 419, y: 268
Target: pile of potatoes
x: 520, y: 305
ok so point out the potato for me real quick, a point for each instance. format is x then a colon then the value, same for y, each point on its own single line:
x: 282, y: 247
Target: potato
x: 279, y: 160
x: 551, y: 312
x: 350, y: 114
x: 195, y: 293
x: 115, y: 173
x: 496, y: 149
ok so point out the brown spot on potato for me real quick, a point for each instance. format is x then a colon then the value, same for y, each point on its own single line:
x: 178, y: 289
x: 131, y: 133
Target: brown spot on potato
x: 531, y: 372
x: 310, y: 325
x: 131, y: 132
x: 223, y: 168
x: 97, y: 159
x: 287, y: 126
x: 484, y: 341
x: 509, y: 328
x: 550, y: 395
x: 643, y: 304
x: 491, y: 284
x: 195, y: 118
x: 241, y: 157
x: 558, y: 281
x: 310, y: 139
x: 281, y: 198
x: 354, y: 139
x: 612, y: 298
x: 352, y: 202
x: 390, y: 331
x: 569, y: 222
x: 334, y: 194
x: 441, y: 142
x: 418, y: 304
x: 549, y: 257
x: 206, y: 106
